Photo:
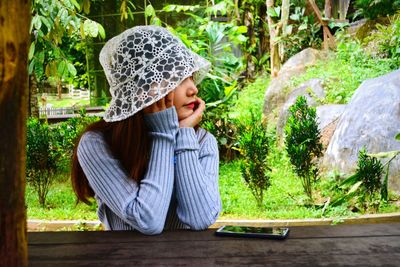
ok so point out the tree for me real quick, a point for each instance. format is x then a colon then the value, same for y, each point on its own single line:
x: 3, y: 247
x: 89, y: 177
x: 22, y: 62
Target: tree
x: 273, y: 33
x: 14, y: 42
x: 55, y: 26
x: 303, y: 142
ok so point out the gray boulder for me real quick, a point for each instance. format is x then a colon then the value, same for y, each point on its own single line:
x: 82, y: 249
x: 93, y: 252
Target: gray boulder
x: 278, y: 90
x: 371, y: 120
x: 328, y: 116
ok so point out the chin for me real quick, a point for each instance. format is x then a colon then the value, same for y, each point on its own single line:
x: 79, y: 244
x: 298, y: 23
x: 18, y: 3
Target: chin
x: 184, y: 115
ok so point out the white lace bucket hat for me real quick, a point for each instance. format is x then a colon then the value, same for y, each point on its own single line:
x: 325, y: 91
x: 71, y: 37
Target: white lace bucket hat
x: 142, y: 65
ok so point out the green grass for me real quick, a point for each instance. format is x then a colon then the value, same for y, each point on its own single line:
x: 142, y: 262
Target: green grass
x: 250, y: 97
x: 60, y: 205
x: 283, y: 200
x: 65, y: 101
x: 342, y: 73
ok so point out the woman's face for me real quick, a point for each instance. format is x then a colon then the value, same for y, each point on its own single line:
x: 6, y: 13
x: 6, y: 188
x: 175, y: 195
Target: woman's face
x: 185, y: 100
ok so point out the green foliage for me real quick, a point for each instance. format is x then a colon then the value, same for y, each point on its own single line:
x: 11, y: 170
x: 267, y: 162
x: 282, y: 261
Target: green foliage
x: 43, y: 154
x: 66, y: 133
x: 60, y: 203
x: 254, y: 147
x: 49, y: 150
x: 302, y: 139
x: 372, y: 9
x: 216, y: 42
x: 387, y: 41
x: 218, y: 122
x: 303, y: 32
x: 56, y: 27
x: 345, y: 70
x: 365, y: 185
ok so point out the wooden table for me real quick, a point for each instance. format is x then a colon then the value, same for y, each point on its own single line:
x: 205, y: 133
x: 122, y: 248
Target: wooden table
x: 344, y: 245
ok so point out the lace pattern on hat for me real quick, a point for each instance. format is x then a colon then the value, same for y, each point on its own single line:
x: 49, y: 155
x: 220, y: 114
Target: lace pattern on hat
x: 142, y: 65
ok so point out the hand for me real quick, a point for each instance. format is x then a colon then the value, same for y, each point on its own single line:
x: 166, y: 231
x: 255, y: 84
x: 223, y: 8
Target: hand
x: 196, y: 116
x: 160, y: 105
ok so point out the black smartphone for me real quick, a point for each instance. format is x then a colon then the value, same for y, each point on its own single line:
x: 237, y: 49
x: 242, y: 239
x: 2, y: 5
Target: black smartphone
x: 250, y: 231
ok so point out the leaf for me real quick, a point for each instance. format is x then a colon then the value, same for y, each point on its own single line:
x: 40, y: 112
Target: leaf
x: 48, y: 70
x: 149, y: 12
x: 388, y: 154
x: 38, y: 22
x: 350, y: 180
x: 295, y: 17
x: 354, y: 187
x: 101, y: 30
x: 31, y: 51
x: 169, y: 8
x: 31, y: 66
x: 71, y: 69
x: 82, y: 31
x: 90, y: 28
x: 78, y: 7
x: 156, y: 21
x: 241, y: 29
x: 228, y: 90
x: 61, y: 66
x: 303, y: 27
x: 86, y: 6
x: 397, y: 137
x: 272, y: 13
x: 47, y: 23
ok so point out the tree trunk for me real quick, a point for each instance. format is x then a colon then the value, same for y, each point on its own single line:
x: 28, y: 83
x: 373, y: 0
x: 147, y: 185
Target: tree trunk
x: 59, y: 89
x: 273, y: 33
x: 33, y: 103
x: 14, y: 43
x: 249, y: 23
x: 284, y: 22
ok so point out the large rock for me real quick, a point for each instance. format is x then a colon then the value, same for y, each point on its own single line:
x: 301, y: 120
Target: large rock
x: 371, y: 120
x: 278, y: 91
x: 328, y: 116
x: 313, y: 91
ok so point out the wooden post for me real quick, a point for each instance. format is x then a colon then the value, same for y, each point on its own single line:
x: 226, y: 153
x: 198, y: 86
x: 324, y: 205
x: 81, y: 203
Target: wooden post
x: 15, y: 18
x: 329, y: 39
x: 328, y: 8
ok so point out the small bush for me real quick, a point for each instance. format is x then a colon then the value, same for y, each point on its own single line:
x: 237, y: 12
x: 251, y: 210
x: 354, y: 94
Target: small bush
x: 303, y: 142
x: 218, y: 122
x: 387, y: 40
x: 65, y: 134
x: 43, y: 154
x: 365, y: 185
x: 254, y: 148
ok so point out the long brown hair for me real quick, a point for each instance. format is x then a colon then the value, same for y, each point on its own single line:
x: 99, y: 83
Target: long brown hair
x: 129, y: 142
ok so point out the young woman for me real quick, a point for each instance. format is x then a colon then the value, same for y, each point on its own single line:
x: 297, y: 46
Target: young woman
x: 147, y: 163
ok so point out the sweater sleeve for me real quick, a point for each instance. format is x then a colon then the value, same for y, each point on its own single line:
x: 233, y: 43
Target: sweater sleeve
x: 144, y: 205
x: 196, y: 170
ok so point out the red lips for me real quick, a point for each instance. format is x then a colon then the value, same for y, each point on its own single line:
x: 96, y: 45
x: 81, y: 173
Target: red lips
x: 191, y: 105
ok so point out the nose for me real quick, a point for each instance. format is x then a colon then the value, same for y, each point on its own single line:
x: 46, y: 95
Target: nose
x: 192, y: 89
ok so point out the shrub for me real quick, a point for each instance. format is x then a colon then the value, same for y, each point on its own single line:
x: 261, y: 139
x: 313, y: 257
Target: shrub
x: 66, y: 133
x: 218, y: 122
x: 254, y: 148
x: 43, y: 154
x: 387, y: 40
x: 303, y: 142
x: 365, y: 185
